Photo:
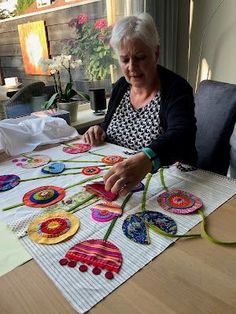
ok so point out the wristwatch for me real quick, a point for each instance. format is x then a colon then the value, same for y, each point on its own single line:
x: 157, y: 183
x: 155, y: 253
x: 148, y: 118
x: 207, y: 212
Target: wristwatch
x: 153, y: 157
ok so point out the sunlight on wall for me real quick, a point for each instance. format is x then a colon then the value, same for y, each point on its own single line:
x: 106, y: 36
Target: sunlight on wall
x: 205, y: 71
x: 189, y: 33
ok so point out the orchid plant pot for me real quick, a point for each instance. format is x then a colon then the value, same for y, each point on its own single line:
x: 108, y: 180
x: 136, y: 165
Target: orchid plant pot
x: 71, y: 107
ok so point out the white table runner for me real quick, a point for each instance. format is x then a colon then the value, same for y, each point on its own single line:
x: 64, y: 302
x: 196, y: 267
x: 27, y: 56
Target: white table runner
x: 84, y: 290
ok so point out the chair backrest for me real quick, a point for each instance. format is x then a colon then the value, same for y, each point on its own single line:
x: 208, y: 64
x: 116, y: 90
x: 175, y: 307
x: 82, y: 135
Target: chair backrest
x: 19, y: 104
x: 49, y: 90
x: 215, y: 110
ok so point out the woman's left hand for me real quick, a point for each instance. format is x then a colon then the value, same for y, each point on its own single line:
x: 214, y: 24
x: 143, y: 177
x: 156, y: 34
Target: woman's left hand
x: 123, y: 176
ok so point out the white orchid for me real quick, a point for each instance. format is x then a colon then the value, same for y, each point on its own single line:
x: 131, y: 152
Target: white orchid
x: 55, y: 66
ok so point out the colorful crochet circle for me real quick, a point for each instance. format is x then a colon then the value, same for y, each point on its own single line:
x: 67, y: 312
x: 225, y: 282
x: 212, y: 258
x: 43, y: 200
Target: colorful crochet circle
x: 179, y: 202
x: 135, y: 225
x: 34, y: 161
x: 98, y: 188
x: 77, y: 148
x: 43, y: 196
x: 55, y: 167
x: 8, y: 182
x: 112, y: 159
x: 99, y: 253
x: 53, y: 227
x: 139, y: 187
x: 91, y: 170
x: 106, y: 211
x: 19, y: 161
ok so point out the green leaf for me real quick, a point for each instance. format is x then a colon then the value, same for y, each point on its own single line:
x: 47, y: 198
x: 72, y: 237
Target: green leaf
x: 82, y: 95
x: 51, y: 102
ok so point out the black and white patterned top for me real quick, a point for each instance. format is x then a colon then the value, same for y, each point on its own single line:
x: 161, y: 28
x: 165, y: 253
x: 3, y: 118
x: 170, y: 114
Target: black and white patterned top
x: 135, y: 128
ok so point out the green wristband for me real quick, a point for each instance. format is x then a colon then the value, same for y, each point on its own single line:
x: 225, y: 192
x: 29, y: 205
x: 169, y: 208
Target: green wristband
x: 153, y: 157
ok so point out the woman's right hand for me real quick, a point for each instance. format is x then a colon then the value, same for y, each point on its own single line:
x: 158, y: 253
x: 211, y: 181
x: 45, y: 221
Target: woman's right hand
x: 94, y: 136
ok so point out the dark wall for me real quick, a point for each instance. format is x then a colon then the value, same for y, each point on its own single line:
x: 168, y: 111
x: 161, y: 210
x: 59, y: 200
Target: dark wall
x: 57, y: 30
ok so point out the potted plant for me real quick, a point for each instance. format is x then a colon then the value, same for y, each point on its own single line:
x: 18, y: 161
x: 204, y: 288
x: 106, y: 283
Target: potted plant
x: 91, y: 46
x: 65, y: 95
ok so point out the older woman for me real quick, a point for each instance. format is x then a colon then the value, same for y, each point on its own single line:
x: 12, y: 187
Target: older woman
x: 151, y: 109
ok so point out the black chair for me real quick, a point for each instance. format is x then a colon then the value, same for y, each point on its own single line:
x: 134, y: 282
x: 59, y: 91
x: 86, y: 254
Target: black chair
x: 20, y: 103
x: 215, y: 110
x: 49, y: 90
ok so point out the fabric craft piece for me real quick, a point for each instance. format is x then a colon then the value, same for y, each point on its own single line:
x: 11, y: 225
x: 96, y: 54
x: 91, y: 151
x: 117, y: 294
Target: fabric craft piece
x: 53, y: 168
x: 8, y: 182
x: 80, y: 199
x: 98, y: 188
x: 53, y: 228
x: 98, y: 253
x: 12, y: 253
x: 112, y: 159
x: 31, y: 161
x: 104, y: 212
x: 76, y: 148
x: 179, y: 202
x: 43, y: 196
x: 91, y: 170
x: 139, y: 187
x: 135, y: 226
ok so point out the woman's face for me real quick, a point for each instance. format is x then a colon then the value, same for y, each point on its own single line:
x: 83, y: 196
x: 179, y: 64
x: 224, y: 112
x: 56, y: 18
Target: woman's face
x: 138, y: 63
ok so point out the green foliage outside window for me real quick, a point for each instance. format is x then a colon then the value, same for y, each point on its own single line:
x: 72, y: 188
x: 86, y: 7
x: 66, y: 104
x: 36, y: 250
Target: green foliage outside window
x: 22, y: 5
x: 91, y: 46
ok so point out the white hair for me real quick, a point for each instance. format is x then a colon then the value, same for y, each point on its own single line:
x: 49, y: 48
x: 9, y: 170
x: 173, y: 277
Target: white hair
x: 140, y: 26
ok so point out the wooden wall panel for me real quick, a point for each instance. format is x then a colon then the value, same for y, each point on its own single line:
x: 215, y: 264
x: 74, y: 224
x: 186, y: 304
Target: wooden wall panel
x: 12, y: 62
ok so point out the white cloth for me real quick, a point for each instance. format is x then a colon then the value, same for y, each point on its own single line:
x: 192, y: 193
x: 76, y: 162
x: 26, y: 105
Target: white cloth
x: 23, y: 135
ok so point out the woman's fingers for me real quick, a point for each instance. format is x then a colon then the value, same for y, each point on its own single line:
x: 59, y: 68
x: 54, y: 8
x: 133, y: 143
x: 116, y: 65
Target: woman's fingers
x: 94, y: 136
x: 123, y: 177
x: 115, y: 183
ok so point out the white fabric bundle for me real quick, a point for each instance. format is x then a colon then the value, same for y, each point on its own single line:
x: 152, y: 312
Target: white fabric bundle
x: 23, y: 135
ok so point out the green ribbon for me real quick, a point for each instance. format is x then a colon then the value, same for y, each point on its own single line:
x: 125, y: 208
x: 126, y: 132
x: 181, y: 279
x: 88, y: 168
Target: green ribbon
x: 144, y: 198
x: 112, y: 224
x: 161, y: 172
x: 204, y: 234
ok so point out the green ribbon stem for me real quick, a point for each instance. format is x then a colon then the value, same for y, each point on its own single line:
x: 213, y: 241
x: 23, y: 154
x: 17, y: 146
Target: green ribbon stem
x: 143, y: 205
x: 51, y: 176
x: 75, y: 208
x: 206, y: 236
x: 13, y: 206
x: 69, y: 145
x: 112, y: 224
x: 87, y: 161
x: 55, y: 175
x: 203, y: 233
x: 83, y: 181
x: 170, y: 235
x: 161, y: 172
x: 81, y: 167
x: 28, y: 157
x: 96, y: 154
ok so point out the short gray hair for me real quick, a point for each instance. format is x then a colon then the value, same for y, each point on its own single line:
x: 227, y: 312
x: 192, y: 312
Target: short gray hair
x: 140, y: 26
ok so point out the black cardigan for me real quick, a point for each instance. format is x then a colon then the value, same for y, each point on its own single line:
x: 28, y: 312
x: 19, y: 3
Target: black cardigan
x: 177, y: 143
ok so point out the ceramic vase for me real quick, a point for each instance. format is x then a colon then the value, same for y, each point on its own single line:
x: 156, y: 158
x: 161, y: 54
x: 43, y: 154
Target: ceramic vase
x: 71, y: 107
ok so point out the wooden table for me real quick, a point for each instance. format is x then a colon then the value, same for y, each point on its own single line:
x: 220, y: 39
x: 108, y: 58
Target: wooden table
x: 191, y: 276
